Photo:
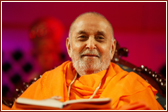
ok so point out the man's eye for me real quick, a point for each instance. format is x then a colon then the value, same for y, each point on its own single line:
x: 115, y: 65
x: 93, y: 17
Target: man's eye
x: 99, y: 37
x: 82, y: 37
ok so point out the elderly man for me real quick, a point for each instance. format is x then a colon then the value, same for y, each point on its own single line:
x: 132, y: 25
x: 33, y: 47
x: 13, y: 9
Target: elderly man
x: 91, y: 74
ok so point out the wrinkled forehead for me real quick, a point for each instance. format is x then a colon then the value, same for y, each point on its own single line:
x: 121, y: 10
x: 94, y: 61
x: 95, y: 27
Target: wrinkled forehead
x: 91, y: 19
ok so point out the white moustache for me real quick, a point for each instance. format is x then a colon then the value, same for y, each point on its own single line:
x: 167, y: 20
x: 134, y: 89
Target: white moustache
x: 90, y: 53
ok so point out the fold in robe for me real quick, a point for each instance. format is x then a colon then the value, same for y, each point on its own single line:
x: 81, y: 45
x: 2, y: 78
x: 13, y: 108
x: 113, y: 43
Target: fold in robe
x: 126, y: 89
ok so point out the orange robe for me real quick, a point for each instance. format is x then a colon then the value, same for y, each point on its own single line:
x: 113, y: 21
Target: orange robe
x: 126, y: 89
x: 4, y: 107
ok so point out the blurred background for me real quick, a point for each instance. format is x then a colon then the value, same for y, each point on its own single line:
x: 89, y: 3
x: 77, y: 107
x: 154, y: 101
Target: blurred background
x: 138, y: 26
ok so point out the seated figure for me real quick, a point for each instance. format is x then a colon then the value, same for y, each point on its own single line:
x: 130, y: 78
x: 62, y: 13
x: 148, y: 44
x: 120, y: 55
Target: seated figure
x: 47, y: 35
x: 91, y: 74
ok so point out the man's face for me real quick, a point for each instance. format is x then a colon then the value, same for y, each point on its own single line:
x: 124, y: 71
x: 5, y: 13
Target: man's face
x: 90, y: 45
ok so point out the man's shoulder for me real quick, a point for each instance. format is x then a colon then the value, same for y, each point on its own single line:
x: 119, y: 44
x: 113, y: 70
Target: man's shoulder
x: 59, y: 70
x: 129, y: 75
x: 117, y: 68
x: 123, y: 69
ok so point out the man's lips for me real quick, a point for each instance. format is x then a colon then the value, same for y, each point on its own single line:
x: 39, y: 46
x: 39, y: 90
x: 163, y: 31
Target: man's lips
x: 89, y: 55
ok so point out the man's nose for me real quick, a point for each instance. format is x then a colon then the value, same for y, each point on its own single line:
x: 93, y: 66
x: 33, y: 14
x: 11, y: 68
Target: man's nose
x: 91, y: 43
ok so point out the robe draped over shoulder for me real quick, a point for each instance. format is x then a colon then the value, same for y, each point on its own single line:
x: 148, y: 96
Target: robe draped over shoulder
x: 126, y: 89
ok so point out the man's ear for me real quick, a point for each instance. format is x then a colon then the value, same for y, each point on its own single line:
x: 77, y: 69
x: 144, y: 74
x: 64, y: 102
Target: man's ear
x: 68, y: 46
x: 113, y: 48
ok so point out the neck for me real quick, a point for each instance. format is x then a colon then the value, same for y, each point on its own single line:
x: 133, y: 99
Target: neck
x: 85, y: 72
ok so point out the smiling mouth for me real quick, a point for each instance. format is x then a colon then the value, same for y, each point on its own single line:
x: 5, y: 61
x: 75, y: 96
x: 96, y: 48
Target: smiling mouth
x: 89, y: 55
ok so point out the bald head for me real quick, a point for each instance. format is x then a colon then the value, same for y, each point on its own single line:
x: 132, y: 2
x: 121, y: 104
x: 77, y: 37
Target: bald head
x: 88, y: 15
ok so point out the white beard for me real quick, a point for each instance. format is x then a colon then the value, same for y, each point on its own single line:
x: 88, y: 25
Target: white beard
x: 90, y: 66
